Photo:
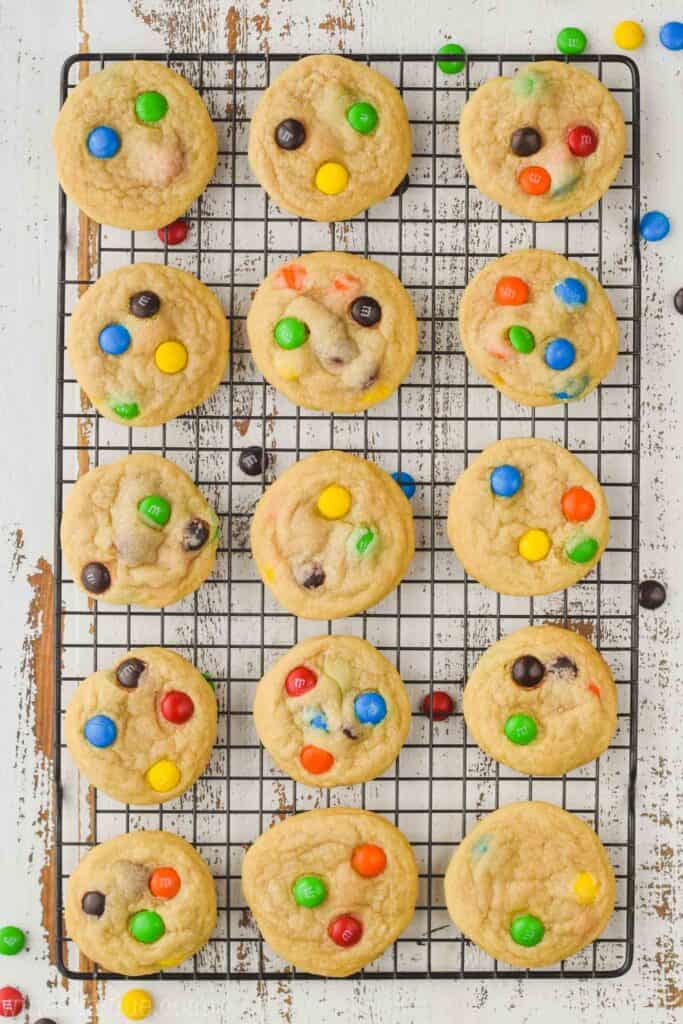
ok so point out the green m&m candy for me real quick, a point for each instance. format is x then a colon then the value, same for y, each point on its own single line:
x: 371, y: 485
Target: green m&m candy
x: 451, y: 67
x: 126, y: 410
x: 362, y: 117
x: 521, y: 339
x: 571, y: 41
x: 150, y: 106
x: 309, y: 891
x: 526, y: 930
x: 155, y: 510
x: 146, y: 926
x: 210, y: 681
x: 362, y: 541
x: 12, y: 940
x: 290, y: 332
x: 582, y: 550
x: 520, y: 729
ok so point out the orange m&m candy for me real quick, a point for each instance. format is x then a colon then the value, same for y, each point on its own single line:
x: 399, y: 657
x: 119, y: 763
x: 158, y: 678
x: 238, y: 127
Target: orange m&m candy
x: 512, y: 291
x: 578, y: 504
x: 316, y: 760
x: 164, y: 883
x: 534, y: 180
x: 369, y: 860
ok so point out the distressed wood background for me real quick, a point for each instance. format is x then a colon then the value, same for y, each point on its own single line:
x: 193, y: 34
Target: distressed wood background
x: 35, y: 39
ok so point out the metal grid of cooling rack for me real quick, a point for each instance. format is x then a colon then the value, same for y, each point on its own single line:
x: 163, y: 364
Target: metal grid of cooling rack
x: 437, y: 623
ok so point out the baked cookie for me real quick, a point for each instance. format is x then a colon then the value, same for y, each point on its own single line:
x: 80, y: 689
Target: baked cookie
x: 147, y: 343
x: 541, y: 701
x: 141, y: 902
x: 143, y: 730
x: 544, y: 144
x: 137, y: 531
x: 332, y: 536
x: 333, y: 331
x: 531, y: 884
x: 329, y: 138
x: 135, y: 145
x: 332, y: 711
x: 527, y: 517
x: 331, y: 889
x: 539, y: 327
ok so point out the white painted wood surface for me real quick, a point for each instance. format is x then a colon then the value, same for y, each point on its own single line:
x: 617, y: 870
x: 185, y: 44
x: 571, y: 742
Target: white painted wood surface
x: 35, y: 39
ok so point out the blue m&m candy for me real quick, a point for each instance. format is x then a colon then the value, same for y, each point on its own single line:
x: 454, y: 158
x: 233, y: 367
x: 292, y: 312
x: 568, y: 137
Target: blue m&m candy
x: 370, y: 707
x: 114, y: 339
x: 100, y: 731
x: 654, y: 226
x: 316, y: 718
x: 560, y: 354
x: 405, y: 482
x: 505, y: 481
x: 671, y: 35
x: 571, y: 291
x: 103, y: 142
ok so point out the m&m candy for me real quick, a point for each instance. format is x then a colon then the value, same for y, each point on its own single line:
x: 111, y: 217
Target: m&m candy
x: 150, y: 106
x: 154, y: 510
x: 438, y: 705
x: 628, y: 35
x: 125, y: 410
x: 103, y: 142
x: 136, y: 1004
x: 521, y: 339
x: 114, y: 339
x: 527, y: 671
x: 505, y: 481
x: 100, y: 731
x: 678, y: 301
x: 671, y: 35
x: 534, y: 545
x: 651, y: 594
x: 559, y: 354
x: 535, y: 181
x: 95, y: 577
x: 251, y: 460
x: 450, y: 67
x: 12, y: 940
x: 290, y: 333
x: 164, y: 883
x: 171, y: 357
x: 520, y: 729
x: 290, y: 134
x: 582, y: 140
x: 578, y: 504
x: 368, y: 860
x: 11, y: 1001
x: 315, y: 760
x: 525, y: 141
x: 571, y: 291
x: 300, y: 680
x: 406, y: 482
x: 511, y: 291
x: 362, y: 117
x: 333, y: 502
x: 366, y: 311
x: 146, y: 926
x: 571, y: 41
x: 309, y: 891
x: 526, y: 930
x: 370, y: 707
x: 654, y: 226
x: 585, y: 888
x: 331, y: 178
x: 177, y: 707
x: 345, y: 930
x: 175, y: 233
x: 144, y: 305
x: 163, y: 776
x: 93, y: 903
x: 582, y: 550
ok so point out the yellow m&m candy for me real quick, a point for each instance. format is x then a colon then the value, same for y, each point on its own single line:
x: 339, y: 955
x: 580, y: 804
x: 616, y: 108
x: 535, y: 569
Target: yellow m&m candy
x: 331, y: 179
x: 534, y: 545
x: 136, y: 1004
x: 171, y: 357
x: 585, y: 888
x: 334, y: 502
x: 628, y: 35
x: 163, y: 776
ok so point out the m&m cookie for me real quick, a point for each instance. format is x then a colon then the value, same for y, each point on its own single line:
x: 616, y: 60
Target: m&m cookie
x: 542, y: 701
x: 544, y: 144
x: 527, y: 517
x: 333, y: 711
x: 135, y: 145
x: 531, y: 884
x: 333, y: 331
x: 331, y: 889
x: 329, y: 138
x: 332, y: 536
x: 143, y: 730
x: 140, y: 903
x: 138, y: 531
x: 147, y: 343
x: 538, y: 327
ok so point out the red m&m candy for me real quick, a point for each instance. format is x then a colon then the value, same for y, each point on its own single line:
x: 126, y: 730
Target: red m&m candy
x: 512, y: 291
x: 177, y: 707
x: 578, y: 504
x: 164, y: 883
x: 300, y: 680
x: 11, y: 1002
x: 582, y: 140
x: 438, y: 705
x: 345, y: 930
x: 173, y: 234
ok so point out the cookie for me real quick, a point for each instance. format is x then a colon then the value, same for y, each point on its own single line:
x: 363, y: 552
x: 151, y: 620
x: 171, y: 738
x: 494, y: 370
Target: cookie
x: 329, y: 138
x: 332, y: 711
x: 147, y: 343
x: 332, y: 536
x: 544, y: 144
x: 143, y: 730
x: 331, y: 889
x: 538, y: 327
x: 137, y: 531
x: 531, y: 884
x: 541, y: 701
x: 135, y: 145
x: 141, y: 902
x: 527, y: 517
x: 333, y: 331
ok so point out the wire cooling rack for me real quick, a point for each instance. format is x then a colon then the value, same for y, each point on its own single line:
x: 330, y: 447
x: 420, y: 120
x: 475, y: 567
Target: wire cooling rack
x: 436, y: 624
